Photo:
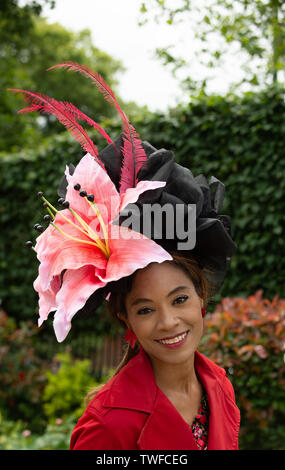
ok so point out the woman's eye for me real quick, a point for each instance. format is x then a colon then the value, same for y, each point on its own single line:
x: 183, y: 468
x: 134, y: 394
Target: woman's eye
x: 181, y: 299
x: 143, y: 311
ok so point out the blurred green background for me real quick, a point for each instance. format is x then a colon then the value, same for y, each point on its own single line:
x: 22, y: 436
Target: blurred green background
x: 237, y: 137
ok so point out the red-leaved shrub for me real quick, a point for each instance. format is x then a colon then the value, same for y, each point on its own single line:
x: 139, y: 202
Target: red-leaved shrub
x: 246, y: 336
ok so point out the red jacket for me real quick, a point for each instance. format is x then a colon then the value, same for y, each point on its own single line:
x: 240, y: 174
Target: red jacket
x: 131, y: 412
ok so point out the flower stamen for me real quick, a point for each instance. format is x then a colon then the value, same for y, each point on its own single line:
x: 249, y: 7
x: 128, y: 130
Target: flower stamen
x: 63, y: 216
x: 73, y: 238
x: 105, y: 231
x: 95, y: 241
x: 87, y: 227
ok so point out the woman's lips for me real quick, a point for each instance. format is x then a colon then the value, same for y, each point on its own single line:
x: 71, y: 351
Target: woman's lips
x: 175, y: 341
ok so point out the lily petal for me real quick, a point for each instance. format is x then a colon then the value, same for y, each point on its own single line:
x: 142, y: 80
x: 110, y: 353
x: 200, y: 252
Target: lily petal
x: 130, y: 251
x: 47, y: 299
x: 132, y: 194
x: 94, y: 180
x: 49, y: 238
x: 78, y: 285
x: 69, y: 255
x: 57, y: 252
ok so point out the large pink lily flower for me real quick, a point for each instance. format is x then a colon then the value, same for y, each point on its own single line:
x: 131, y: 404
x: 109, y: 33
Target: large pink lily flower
x: 82, y: 251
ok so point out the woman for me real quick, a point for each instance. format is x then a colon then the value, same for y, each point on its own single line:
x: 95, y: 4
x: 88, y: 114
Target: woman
x: 165, y: 394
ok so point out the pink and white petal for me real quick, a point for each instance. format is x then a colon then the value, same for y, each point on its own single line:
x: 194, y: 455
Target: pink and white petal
x: 67, y: 174
x: 78, y: 285
x: 43, y: 241
x: 48, y: 240
x: 94, y: 180
x: 47, y: 299
x: 132, y: 194
x: 56, y: 252
x: 130, y: 252
x: 69, y: 255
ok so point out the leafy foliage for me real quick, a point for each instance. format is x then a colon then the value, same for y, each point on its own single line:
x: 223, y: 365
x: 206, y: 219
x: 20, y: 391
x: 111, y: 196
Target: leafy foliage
x: 22, y: 377
x: 66, y: 388
x: 246, y: 336
x: 16, y: 436
x: 251, y: 32
x: 26, y: 54
x: 40, y: 400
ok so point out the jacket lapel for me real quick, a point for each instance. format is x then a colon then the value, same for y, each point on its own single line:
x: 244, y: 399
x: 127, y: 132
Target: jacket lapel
x: 224, y: 420
x: 164, y: 429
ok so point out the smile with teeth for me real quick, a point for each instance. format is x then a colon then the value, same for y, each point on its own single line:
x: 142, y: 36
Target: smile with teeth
x: 173, y: 340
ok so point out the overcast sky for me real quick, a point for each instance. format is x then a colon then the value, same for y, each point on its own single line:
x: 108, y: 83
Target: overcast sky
x: 115, y: 30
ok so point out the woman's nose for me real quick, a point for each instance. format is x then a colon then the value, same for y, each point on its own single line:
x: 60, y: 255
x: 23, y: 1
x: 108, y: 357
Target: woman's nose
x: 166, y: 319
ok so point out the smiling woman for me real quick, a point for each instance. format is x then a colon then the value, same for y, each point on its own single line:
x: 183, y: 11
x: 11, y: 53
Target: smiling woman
x: 164, y: 394
x: 128, y: 289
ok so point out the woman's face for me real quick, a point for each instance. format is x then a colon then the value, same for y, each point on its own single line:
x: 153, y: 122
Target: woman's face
x: 164, y: 312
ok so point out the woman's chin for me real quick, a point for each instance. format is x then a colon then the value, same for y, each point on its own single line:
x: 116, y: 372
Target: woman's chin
x: 171, y: 353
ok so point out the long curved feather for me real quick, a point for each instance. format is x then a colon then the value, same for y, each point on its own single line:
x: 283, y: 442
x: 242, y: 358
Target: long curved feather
x: 134, y: 156
x: 76, y: 113
x: 47, y: 105
x: 30, y: 109
x: 96, y: 78
x: 79, y: 115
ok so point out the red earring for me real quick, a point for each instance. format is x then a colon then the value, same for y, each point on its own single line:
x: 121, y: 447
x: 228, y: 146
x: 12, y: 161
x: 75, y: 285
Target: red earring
x: 130, y: 338
x: 204, y: 311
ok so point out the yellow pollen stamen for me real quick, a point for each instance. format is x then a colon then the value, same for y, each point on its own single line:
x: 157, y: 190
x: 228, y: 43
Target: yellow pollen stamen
x: 96, y: 210
x: 50, y: 212
x: 86, y: 226
x: 95, y: 241
x: 75, y: 239
x: 65, y: 218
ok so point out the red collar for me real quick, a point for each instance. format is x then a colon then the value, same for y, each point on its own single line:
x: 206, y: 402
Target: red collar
x: 135, y: 388
x: 137, y: 377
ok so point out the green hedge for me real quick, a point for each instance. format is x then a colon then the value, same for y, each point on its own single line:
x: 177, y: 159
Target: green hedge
x: 240, y: 140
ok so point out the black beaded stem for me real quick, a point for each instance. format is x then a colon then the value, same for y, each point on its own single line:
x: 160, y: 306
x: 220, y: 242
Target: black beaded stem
x: 29, y: 244
x: 90, y: 197
x: 65, y: 204
x: 40, y: 194
x: 83, y: 193
x: 39, y: 228
x: 77, y: 186
x: 60, y: 201
x: 36, y: 226
x: 47, y: 218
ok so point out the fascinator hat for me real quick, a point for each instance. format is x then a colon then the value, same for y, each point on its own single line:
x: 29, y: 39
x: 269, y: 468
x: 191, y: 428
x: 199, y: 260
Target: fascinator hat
x: 88, y: 244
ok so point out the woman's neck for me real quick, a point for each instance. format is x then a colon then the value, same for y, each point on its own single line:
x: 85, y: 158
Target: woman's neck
x: 175, y: 378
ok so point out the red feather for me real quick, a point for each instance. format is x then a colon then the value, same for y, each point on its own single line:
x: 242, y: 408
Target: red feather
x: 30, y: 109
x: 79, y: 115
x: 76, y: 113
x: 48, y: 105
x: 96, y: 78
x: 134, y: 158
